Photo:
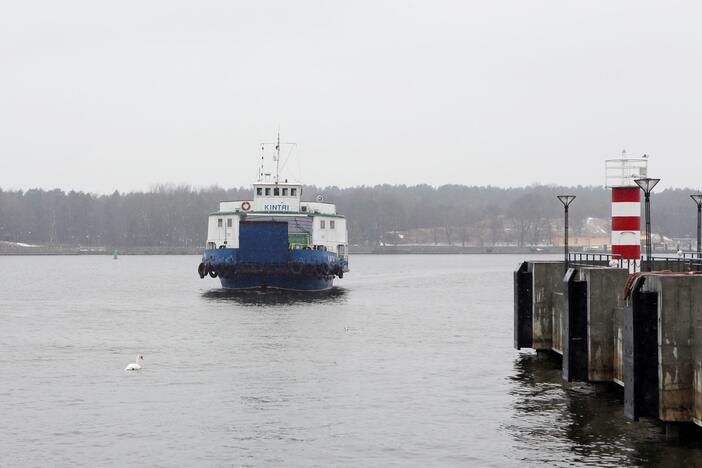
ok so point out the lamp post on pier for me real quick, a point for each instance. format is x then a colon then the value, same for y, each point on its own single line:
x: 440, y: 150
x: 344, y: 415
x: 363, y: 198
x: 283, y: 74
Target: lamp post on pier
x: 647, y: 185
x: 697, y: 198
x: 566, y: 200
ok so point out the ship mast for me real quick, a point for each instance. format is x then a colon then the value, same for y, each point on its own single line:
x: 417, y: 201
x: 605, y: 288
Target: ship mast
x: 262, y: 174
x: 277, y: 159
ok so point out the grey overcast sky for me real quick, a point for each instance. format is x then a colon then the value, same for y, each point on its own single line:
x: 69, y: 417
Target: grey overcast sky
x: 101, y: 95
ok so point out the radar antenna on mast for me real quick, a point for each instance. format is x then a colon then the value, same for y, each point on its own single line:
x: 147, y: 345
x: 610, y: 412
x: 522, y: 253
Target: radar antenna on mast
x: 276, y: 157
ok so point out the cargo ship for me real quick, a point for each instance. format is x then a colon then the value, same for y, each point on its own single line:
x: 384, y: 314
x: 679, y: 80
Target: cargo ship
x: 275, y: 240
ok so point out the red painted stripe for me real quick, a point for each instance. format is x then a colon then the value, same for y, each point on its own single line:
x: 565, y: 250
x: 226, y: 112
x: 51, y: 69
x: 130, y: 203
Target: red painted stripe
x: 626, y: 194
x: 627, y: 251
x: 626, y: 223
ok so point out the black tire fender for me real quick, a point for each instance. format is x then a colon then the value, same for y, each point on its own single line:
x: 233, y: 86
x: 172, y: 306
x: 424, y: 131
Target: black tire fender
x: 323, y: 269
x: 296, y: 268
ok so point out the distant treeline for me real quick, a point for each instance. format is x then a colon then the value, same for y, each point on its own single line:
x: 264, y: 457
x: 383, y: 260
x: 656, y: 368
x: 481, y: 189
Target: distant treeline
x: 176, y: 215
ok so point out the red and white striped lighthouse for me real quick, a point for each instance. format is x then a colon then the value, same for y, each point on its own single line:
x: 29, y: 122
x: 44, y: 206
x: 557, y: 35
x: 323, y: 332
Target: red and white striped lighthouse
x: 626, y: 205
x: 626, y: 222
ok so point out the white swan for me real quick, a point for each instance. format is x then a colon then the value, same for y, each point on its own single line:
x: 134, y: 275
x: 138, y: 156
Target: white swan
x: 134, y: 366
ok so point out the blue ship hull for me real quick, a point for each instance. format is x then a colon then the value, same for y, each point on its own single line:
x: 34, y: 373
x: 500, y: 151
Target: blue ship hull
x: 265, y: 261
x: 301, y: 270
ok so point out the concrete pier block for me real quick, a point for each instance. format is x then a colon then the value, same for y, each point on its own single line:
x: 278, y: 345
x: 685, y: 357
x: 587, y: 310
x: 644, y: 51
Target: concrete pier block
x: 671, y: 307
x: 679, y: 345
x: 605, y: 323
x: 547, y: 305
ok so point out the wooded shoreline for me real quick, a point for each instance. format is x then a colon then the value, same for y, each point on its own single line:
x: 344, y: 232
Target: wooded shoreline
x: 378, y: 250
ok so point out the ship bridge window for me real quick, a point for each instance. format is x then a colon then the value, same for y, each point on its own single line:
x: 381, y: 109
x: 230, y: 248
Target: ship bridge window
x: 332, y: 224
x: 259, y: 191
x: 322, y: 224
x: 285, y: 192
x: 219, y: 222
x: 276, y: 192
x: 229, y: 222
x: 268, y: 191
x: 293, y: 192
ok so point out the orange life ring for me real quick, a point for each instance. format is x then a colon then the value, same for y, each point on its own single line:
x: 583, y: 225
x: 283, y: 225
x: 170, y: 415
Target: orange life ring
x: 246, y: 206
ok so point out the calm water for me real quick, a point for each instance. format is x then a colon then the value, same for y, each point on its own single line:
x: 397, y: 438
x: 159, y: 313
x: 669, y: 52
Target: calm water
x: 409, y: 362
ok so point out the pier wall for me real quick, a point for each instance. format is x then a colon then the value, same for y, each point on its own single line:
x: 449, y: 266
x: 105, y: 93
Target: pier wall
x: 547, y: 305
x: 605, y: 322
x: 650, y: 344
x: 679, y: 346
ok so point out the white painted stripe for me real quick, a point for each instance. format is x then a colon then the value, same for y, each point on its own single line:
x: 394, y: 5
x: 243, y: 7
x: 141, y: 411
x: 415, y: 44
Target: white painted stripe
x: 626, y: 237
x: 626, y: 209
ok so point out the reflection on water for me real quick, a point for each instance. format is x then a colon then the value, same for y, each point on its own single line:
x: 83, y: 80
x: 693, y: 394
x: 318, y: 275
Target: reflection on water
x: 586, y: 422
x: 274, y: 297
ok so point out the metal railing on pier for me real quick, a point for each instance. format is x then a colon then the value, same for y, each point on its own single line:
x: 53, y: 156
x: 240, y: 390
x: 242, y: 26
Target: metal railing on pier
x: 603, y: 260
x: 678, y: 263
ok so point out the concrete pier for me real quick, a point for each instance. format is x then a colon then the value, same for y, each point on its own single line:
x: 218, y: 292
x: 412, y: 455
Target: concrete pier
x: 605, y: 322
x: 676, y: 305
x: 547, y: 303
x: 650, y: 344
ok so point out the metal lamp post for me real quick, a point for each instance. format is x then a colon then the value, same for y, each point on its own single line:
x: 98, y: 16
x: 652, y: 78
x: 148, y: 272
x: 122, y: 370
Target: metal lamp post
x: 697, y: 198
x: 647, y: 185
x: 566, y: 200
